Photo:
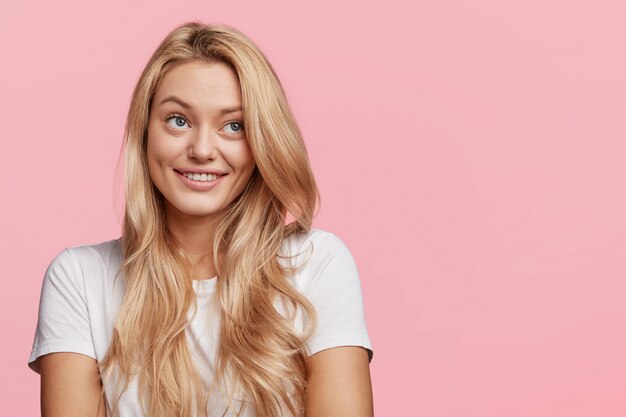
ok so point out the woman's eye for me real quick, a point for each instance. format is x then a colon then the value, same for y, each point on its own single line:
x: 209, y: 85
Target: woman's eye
x: 179, y: 121
x: 236, y: 127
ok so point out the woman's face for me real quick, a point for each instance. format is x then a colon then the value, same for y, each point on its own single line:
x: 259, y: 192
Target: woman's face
x: 195, y: 128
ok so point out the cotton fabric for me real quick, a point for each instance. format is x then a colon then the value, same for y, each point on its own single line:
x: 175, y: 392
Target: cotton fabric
x: 80, y: 300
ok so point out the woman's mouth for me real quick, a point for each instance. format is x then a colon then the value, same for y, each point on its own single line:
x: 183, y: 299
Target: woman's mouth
x: 200, y: 182
x: 201, y: 177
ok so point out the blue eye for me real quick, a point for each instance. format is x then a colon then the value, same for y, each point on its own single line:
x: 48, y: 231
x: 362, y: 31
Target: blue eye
x: 179, y: 120
x: 236, y: 126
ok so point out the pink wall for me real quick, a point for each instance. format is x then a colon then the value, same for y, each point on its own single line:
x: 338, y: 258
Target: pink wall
x: 471, y: 155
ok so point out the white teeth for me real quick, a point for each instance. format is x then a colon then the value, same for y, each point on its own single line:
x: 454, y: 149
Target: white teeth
x: 201, y: 177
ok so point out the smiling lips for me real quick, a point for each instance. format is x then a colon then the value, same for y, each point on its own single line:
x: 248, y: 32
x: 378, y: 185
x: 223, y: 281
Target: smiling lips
x: 199, y: 171
x: 201, y: 177
x: 200, y: 174
x: 200, y: 181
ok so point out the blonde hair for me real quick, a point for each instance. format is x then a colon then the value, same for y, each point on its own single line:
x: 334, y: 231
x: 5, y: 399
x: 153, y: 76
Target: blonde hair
x: 259, y: 348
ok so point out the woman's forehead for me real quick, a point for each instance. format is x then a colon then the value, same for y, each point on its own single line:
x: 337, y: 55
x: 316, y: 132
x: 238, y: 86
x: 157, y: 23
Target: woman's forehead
x: 201, y: 86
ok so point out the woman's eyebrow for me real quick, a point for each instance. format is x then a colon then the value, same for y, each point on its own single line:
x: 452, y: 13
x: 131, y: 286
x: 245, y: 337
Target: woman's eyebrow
x: 175, y: 99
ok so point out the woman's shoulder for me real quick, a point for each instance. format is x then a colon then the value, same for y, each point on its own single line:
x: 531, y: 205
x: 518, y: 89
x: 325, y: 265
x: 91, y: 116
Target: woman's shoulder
x: 312, y: 251
x: 313, y: 240
x: 108, y: 251
x: 89, y: 264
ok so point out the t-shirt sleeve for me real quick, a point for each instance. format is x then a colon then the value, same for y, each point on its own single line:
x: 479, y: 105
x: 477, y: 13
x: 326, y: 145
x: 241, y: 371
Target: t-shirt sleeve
x: 63, y: 322
x: 333, y: 286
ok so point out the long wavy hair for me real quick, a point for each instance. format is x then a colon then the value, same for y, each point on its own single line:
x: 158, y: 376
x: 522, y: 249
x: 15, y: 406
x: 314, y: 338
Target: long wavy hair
x: 259, y: 351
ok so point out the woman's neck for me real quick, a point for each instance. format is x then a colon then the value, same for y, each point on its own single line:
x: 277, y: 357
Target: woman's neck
x: 196, y: 234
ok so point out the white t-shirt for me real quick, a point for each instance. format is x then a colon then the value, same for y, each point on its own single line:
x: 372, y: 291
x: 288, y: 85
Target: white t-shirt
x: 80, y: 302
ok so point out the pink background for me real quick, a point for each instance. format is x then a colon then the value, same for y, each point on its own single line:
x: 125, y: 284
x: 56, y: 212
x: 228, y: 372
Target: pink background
x: 471, y: 155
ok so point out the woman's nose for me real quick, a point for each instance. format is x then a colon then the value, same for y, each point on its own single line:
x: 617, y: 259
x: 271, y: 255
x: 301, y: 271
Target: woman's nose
x: 204, y: 144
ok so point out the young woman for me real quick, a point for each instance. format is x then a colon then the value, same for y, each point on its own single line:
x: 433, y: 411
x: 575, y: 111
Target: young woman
x: 218, y: 299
